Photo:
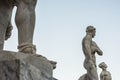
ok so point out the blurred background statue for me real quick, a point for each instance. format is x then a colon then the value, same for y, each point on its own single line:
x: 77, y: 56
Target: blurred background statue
x: 89, y: 49
x: 105, y: 75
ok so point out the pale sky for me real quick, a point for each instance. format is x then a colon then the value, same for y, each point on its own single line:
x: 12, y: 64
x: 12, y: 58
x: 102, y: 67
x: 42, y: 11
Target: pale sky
x: 60, y: 27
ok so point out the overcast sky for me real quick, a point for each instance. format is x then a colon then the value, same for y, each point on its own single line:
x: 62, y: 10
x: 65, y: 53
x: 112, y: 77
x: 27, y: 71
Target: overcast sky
x: 60, y: 27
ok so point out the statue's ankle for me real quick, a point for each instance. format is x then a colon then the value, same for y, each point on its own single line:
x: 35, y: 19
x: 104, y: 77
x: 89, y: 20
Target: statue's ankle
x: 27, y: 48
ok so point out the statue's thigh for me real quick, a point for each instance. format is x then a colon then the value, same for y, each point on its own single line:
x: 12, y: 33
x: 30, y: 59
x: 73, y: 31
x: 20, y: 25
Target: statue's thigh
x: 27, y: 2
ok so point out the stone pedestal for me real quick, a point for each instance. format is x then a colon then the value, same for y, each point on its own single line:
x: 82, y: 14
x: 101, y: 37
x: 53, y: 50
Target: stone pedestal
x: 20, y: 66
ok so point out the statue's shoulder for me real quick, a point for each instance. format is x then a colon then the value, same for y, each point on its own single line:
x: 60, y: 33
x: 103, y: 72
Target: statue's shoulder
x: 94, y: 43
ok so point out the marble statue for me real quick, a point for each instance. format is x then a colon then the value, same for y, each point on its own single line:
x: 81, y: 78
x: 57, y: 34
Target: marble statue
x: 18, y: 65
x: 105, y: 75
x: 25, y: 21
x: 89, y: 49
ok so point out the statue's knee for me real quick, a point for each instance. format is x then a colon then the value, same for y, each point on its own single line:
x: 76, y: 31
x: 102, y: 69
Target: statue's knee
x: 30, y: 2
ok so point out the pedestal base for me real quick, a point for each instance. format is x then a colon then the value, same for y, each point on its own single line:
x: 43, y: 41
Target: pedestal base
x: 20, y: 66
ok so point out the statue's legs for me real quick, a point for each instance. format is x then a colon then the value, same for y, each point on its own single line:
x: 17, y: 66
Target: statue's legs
x: 91, y: 71
x: 25, y: 21
x: 5, y: 18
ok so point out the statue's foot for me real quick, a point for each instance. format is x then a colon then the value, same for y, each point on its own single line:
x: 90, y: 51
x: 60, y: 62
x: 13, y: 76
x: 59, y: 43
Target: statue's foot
x: 27, y: 48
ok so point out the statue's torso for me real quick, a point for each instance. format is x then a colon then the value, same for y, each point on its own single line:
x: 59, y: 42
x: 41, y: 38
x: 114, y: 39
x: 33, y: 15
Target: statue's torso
x: 105, y: 75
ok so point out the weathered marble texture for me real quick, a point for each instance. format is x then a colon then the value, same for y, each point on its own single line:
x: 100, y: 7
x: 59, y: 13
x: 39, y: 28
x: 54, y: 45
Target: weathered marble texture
x: 20, y: 66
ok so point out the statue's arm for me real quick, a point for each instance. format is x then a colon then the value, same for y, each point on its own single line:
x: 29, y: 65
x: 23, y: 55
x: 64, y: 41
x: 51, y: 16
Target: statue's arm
x: 102, y: 77
x: 110, y: 75
x: 87, y: 48
x: 98, y: 50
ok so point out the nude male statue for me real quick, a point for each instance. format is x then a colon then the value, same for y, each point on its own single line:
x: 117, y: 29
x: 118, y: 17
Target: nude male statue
x: 105, y: 75
x: 25, y: 21
x: 89, y: 49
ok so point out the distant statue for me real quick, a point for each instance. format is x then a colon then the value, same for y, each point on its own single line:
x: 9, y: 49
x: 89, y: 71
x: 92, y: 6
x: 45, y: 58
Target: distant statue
x: 89, y: 49
x: 105, y: 75
x: 25, y: 21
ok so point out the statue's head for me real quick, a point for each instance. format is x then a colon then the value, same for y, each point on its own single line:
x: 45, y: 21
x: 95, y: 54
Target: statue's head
x: 103, y: 65
x: 53, y: 63
x: 91, y: 30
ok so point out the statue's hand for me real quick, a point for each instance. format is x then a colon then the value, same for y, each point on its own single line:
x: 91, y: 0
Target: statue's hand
x: 8, y: 31
x: 99, y: 52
